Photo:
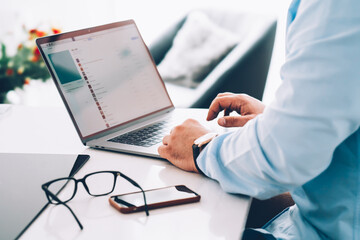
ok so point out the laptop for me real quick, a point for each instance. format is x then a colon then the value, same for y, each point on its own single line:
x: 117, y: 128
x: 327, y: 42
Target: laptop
x: 111, y: 88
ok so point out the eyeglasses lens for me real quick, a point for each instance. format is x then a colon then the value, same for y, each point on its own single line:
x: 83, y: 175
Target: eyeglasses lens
x: 100, y: 183
x: 66, y: 194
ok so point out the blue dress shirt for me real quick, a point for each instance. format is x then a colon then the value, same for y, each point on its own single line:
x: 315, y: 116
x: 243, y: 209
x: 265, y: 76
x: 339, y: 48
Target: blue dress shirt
x: 307, y: 141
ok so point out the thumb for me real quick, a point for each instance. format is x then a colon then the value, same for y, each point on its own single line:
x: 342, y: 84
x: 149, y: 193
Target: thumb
x: 234, y: 121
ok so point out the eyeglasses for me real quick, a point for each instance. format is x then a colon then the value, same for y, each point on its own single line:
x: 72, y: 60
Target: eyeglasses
x: 96, y: 184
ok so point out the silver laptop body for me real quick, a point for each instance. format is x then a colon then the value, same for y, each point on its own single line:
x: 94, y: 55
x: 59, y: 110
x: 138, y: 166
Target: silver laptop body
x: 110, y: 86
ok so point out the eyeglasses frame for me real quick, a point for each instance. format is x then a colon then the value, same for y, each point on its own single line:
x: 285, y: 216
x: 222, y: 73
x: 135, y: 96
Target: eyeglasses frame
x: 51, y: 196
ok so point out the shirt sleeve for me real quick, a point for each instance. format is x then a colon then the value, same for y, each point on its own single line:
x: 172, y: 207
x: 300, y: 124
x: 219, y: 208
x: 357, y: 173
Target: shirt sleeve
x: 315, y: 109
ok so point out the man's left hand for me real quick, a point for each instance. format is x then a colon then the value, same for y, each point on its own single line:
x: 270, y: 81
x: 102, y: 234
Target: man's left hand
x: 177, y: 147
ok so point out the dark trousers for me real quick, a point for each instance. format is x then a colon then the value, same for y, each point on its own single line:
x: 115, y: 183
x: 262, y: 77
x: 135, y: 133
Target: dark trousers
x: 262, y: 211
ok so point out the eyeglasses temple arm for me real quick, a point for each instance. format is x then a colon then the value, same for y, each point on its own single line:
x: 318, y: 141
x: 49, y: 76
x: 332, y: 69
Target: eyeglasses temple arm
x: 61, y: 202
x: 77, y: 220
x: 137, y: 185
x: 145, y: 204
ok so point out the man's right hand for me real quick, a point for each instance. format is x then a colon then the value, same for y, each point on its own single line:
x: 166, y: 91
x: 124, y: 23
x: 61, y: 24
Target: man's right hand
x: 248, y: 108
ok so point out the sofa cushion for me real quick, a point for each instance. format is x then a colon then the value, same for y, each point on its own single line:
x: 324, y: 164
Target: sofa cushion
x: 197, y: 47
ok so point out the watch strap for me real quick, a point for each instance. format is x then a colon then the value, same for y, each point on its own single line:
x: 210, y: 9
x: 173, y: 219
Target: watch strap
x: 196, y: 153
x: 199, y: 144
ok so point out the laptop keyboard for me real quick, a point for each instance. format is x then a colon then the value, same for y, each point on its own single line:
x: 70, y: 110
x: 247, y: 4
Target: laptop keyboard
x: 145, y: 137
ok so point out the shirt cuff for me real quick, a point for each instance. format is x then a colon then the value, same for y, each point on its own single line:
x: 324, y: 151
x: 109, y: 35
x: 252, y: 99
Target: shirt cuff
x: 200, y: 161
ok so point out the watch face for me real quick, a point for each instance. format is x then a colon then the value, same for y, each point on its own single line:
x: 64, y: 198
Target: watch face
x: 205, y: 139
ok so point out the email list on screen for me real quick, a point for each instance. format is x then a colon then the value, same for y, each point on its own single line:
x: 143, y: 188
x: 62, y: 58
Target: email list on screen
x: 102, y: 79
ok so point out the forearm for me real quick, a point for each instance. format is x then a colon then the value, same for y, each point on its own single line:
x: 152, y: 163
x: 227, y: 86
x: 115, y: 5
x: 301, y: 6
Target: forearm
x: 272, y: 154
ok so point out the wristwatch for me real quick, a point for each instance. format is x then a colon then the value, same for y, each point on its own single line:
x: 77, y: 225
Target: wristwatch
x: 199, y: 144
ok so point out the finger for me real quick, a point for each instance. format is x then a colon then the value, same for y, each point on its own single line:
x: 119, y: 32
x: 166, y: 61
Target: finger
x: 214, y: 109
x: 166, y: 139
x: 163, y: 152
x: 219, y: 104
x: 225, y: 94
x: 235, y: 121
x: 190, y: 121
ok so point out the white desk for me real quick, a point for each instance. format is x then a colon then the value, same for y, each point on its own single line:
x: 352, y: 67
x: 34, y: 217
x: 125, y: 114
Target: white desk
x: 49, y: 130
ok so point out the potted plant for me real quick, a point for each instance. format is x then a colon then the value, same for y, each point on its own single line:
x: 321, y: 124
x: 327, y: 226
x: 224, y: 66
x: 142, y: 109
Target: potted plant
x: 27, y: 64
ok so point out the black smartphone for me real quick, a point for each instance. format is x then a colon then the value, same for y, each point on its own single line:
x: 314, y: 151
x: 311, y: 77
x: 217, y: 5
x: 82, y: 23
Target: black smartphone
x: 156, y: 198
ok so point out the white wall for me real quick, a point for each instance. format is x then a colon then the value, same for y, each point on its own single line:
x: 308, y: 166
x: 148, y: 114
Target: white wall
x: 152, y: 17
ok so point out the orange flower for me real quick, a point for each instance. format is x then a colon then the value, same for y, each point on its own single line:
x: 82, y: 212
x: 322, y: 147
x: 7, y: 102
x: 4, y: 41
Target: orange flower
x: 55, y: 30
x: 40, y: 33
x: 9, y: 72
x: 20, y: 70
x: 35, y: 58
x: 36, y: 52
x: 27, y: 81
x: 36, y: 33
x: 20, y: 46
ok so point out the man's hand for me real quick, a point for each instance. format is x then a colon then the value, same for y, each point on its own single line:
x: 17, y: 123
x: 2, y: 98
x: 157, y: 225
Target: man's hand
x: 177, y: 147
x: 246, y: 106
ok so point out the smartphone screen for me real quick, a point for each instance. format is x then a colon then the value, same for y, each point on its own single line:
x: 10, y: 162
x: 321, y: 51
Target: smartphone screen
x: 155, y: 196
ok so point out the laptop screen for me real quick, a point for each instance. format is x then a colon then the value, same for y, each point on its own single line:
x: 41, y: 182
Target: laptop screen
x: 106, y: 76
